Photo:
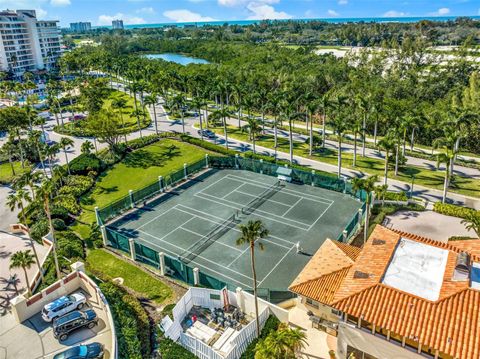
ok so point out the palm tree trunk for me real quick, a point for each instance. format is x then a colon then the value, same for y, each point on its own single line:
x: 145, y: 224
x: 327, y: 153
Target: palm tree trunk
x: 26, y: 280
x: 254, y: 275
x: 311, y: 135
x: 183, y: 122
x: 404, y: 142
x: 52, y: 231
x: 339, y: 156
x: 375, y: 132
x: 225, y: 132
x: 155, y: 118
x: 367, y: 215
x: 354, y: 149
x: 66, y: 159
x: 364, y: 134
x: 396, y: 158
x: 386, y: 168
x: 324, y: 128
x: 290, y: 139
x: 253, y: 139
x: 206, y: 116
x: 201, y: 123
x: 123, y: 126
x: 34, y: 250
x: 412, y: 139
x: 239, y: 115
x: 446, y: 182
x: 275, y: 135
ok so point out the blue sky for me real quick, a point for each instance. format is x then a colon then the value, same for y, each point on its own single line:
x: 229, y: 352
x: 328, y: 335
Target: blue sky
x: 101, y: 12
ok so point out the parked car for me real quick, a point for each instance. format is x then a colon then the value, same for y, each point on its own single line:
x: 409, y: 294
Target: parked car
x: 79, y: 117
x: 207, y: 133
x: 62, y: 306
x: 93, y: 350
x: 63, y: 326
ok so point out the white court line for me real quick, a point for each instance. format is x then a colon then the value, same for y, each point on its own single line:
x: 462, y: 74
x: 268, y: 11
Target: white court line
x: 156, y: 217
x: 283, y: 215
x: 280, y: 219
x: 276, y: 265
x: 286, y: 190
x: 211, y: 184
x: 173, y: 230
x: 234, y: 190
x: 203, y: 236
x: 234, y: 229
x: 268, y: 200
x: 183, y: 250
x: 175, y: 255
x: 321, y: 215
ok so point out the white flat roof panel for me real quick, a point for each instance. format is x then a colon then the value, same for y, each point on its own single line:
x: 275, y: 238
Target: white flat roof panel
x: 417, y: 268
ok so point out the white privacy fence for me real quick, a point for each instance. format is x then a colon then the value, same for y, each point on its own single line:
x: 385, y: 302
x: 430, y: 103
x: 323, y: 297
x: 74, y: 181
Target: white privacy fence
x: 210, y: 298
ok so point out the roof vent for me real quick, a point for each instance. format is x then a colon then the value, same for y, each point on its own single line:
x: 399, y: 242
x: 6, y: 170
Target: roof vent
x: 360, y: 275
x: 378, y: 242
x: 462, y: 267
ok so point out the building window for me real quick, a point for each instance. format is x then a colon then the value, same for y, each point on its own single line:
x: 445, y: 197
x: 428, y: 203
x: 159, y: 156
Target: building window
x: 312, y: 303
x: 214, y: 296
x: 336, y: 312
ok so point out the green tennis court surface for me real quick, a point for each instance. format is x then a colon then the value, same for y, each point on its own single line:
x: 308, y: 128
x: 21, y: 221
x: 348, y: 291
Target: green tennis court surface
x: 197, y: 224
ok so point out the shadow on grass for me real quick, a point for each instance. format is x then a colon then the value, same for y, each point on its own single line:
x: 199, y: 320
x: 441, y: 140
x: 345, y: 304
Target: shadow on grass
x: 144, y: 159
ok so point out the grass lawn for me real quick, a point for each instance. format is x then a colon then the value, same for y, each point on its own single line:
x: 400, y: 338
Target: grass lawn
x: 6, y: 173
x: 424, y: 177
x: 130, y: 122
x: 133, y: 277
x: 138, y: 169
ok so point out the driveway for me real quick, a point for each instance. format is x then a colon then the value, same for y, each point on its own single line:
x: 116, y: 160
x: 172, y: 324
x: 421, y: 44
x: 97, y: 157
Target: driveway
x: 429, y: 224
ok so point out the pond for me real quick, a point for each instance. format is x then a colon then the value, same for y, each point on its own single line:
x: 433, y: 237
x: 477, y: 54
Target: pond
x: 178, y: 58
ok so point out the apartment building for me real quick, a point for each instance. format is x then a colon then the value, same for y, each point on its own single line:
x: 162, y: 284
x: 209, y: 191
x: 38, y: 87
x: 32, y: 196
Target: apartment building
x: 80, y: 26
x: 400, y: 296
x: 117, y: 24
x: 26, y: 43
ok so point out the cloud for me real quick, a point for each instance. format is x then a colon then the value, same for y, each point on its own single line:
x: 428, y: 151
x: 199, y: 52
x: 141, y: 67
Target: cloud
x: 146, y: 10
x: 41, y: 14
x: 59, y: 3
x: 333, y: 13
x: 443, y: 11
x: 233, y: 3
x: 261, y: 11
x: 342, y: 2
x: 394, y: 13
x: 104, y: 20
x: 183, y: 15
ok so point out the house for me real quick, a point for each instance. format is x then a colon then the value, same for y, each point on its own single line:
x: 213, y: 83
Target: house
x: 400, y: 296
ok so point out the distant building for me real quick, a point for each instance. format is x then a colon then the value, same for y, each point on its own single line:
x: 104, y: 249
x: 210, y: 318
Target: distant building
x: 117, y: 24
x: 27, y: 44
x: 80, y: 26
x: 400, y: 296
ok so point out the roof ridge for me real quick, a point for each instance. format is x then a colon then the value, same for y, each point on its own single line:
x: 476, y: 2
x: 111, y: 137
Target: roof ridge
x: 342, y: 246
x: 320, y: 277
x: 432, y: 242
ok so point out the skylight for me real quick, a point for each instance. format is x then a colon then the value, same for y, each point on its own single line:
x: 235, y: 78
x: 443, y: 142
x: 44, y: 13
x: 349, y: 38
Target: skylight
x: 417, y: 268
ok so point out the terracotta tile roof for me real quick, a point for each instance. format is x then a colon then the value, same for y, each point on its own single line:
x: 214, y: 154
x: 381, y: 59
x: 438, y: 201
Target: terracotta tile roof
x: 339, y: 256
x: 450, y: 324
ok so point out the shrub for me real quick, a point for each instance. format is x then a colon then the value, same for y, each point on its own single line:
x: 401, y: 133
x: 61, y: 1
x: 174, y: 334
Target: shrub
x: 39, y: 229
x: 453, y: 210
x: 70, y: 245
x: 131, y: 322
x: 461, y: 238
x: 68, y: 202
x: 271, y: 325
x: 396, y: 196
x: 76, y: 185
x: 59, y: 212
x: 208, y: 146
x: 171, y: 350
x: 58, y: 224
x: 86, y: 163
x: 168, y: 310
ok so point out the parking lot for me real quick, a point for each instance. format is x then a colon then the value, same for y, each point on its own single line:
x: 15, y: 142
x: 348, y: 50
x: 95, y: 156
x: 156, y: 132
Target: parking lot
x: 34, y: 337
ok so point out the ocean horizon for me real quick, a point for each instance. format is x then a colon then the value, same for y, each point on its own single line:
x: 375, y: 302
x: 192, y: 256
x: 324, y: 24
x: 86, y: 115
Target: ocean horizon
x: 329, y: 20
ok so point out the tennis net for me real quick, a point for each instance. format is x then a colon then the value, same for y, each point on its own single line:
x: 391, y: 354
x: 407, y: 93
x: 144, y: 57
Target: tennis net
x: 262, y: 198
x: 206, y: 241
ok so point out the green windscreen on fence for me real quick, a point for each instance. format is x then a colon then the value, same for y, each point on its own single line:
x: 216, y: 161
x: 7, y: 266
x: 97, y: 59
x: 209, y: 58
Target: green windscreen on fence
x: 146, y: 192
x: 118, y: 240
x: 146, y: 255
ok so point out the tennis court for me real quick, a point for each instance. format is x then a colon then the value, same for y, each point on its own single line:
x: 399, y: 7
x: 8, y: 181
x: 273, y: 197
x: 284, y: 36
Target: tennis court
x: 198, y: 222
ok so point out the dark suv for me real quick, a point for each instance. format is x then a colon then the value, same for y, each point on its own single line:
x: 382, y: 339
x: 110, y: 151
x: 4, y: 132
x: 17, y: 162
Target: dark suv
x: 63, y: 326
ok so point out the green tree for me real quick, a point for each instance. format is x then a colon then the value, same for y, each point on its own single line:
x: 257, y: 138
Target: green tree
x: 178, y: 104
x: 253, y: 127
x: 86, y: 147
x: 105, y: 125
x: 151, y: 100
x: 24, y: 260
x: 120, y: 104
x: 472, y: 222
x: 66, y: 143
x: 366, y: 185
x: 251, y: 233
x: 284, y: 343
x: 387, y: 143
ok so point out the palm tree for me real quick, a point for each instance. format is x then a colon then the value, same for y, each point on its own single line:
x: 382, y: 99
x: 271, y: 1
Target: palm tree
x: 46, y: 191
x: 368, y: 186
x: 340, y: 125
x: 16, y: 200
x: 356, y: 128
x: 387, y: 143
x: 86, y: 147
x: 221, y: 115
x: 120, y: 104
x: 253, y: 128
x: 283, y: 343
x: 28, y: 178
x: 324, y: 104
x: 472, y: 222
x: 251, y: 232
x: 197, y: 103
x: 381, y: 192
x: 65, y: 143
x: 24, y: 260
x: 289, y: 113
x: 136, y: 113
x: 446, y: 157
x: 178, y: 104
x: 151, y: 100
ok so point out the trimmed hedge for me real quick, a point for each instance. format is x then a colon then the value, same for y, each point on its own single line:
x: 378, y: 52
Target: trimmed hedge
x: 380, y: 212
x: 131, y: 322
x: 396, y: 196
x: 208, y: 146
x: 271, y: 325
x: 86, y: 163
x: 453, y: 210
